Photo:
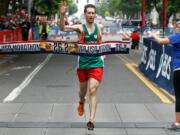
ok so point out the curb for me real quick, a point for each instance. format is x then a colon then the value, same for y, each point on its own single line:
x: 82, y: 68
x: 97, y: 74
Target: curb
x: 33, y: 124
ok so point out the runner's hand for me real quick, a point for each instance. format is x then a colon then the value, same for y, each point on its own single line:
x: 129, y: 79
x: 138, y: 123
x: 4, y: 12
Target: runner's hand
x: 153, y: 34
x: 149, y: 33
x: 62, y: 8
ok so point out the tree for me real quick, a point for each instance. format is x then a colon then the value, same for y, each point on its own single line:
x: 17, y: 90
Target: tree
x: 45, y: 7
x: 102, y: 9
x: 72, y: 8
x: 4, y: 6
x: 173, y: 7
x: 130, y: 7
x: 48, y: 7
x: 114, y: 7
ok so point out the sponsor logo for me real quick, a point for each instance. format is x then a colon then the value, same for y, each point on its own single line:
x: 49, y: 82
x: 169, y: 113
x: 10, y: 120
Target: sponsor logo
x: 144, y: 55
x: 164, y: 66
x: 20, y: 47
x: 152, y: 60
x: 46, y: 46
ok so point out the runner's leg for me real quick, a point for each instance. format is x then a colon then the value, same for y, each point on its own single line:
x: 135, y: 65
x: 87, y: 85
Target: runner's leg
x: 83, y: 80
x: 176, y: 81
x: 82, y: 94
x: 82, y: 91
x: 93, y: 86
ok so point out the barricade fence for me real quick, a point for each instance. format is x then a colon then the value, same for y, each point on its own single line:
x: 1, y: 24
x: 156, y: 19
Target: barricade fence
x: 10, y: 35
x: 156, y: 63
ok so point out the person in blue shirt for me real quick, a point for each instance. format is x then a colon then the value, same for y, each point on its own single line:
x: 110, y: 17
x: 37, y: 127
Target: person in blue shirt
x: 174, y: 40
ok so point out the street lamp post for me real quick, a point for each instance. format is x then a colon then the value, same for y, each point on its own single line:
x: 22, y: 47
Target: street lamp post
x: 143, y: 5
x: 143, y: 13
x: 164, y: 15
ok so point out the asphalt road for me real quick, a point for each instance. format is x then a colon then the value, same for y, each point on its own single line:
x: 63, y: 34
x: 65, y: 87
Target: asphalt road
x: 49, y: 78
x: 42, y: 78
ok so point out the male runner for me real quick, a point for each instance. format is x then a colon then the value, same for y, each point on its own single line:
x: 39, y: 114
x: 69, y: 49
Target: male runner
x: 90, y: 69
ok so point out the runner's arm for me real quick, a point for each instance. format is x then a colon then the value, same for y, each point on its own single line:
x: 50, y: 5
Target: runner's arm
x: 63, y: 27
x: 101, y: 27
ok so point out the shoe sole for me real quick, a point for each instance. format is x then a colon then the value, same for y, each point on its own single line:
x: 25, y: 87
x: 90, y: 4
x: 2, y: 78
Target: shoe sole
x: 90, y: 126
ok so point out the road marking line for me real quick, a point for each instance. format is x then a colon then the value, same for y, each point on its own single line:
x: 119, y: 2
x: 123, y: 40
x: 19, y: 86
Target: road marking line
x: 16, y: 92
x: 167, y: 93
x: 125, y: 61
x: 163, y: 98
x: 126, y: 58
x: 129, y: 63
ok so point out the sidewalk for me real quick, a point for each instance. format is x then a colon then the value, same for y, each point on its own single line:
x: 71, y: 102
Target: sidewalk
x: 148, y: 118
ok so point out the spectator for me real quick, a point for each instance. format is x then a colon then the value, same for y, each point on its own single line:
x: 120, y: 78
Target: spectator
x: 135, y: 37
x: 25, y: 26
x: 174, y: 40
x: 2, y: 22
x: 43, y: 30
x: 35, y: 29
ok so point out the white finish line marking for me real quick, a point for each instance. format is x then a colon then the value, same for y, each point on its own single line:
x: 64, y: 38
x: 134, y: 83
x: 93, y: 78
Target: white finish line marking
x: 16, y: 92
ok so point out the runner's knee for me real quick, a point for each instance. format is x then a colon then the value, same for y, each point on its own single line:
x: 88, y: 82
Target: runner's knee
x: 92, y: 91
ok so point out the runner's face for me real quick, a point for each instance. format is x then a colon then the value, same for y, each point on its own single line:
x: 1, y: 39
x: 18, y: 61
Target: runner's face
x: 90, y: 15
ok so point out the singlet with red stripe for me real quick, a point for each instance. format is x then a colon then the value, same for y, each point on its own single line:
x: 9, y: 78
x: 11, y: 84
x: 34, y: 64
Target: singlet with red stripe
x: 90, y: 61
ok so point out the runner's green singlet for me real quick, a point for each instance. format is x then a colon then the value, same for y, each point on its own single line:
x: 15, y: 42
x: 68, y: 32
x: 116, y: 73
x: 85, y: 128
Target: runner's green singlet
x: 90, y: 61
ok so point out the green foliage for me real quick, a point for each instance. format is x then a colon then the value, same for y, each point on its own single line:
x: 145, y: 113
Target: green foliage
x: 102, y: 9
x: 3, y: 6
x: 132, y: 7
x: 107, y: 13
x: 45, y: 7
x: 114, y: 7
x: 173, y: 7
x: 48, y: 7
x: 72, y: 8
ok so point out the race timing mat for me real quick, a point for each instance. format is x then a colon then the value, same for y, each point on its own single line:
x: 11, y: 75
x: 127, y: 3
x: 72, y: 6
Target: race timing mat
x: 63, y: 47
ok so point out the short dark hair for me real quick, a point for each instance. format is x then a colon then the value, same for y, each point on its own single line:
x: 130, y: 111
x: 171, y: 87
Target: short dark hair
x: 89, y: 6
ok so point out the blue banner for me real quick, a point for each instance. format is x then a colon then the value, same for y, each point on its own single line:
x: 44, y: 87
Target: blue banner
x: 156, y: 63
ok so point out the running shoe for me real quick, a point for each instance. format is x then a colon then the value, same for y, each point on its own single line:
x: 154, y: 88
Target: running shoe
x: 90, y: 125
x: 175, y: 127
x: 80, y: 109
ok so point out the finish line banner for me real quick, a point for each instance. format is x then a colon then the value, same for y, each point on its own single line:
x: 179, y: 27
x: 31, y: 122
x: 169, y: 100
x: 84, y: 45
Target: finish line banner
x: 62, y: 47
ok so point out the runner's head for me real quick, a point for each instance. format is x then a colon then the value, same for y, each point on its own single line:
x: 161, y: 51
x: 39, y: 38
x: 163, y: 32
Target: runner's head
x: 90, y: 13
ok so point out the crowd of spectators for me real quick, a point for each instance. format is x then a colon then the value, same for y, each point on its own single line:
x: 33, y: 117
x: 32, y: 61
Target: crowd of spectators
x: 12, y: 21
x: 41, y: 25
x: 18, y: 19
